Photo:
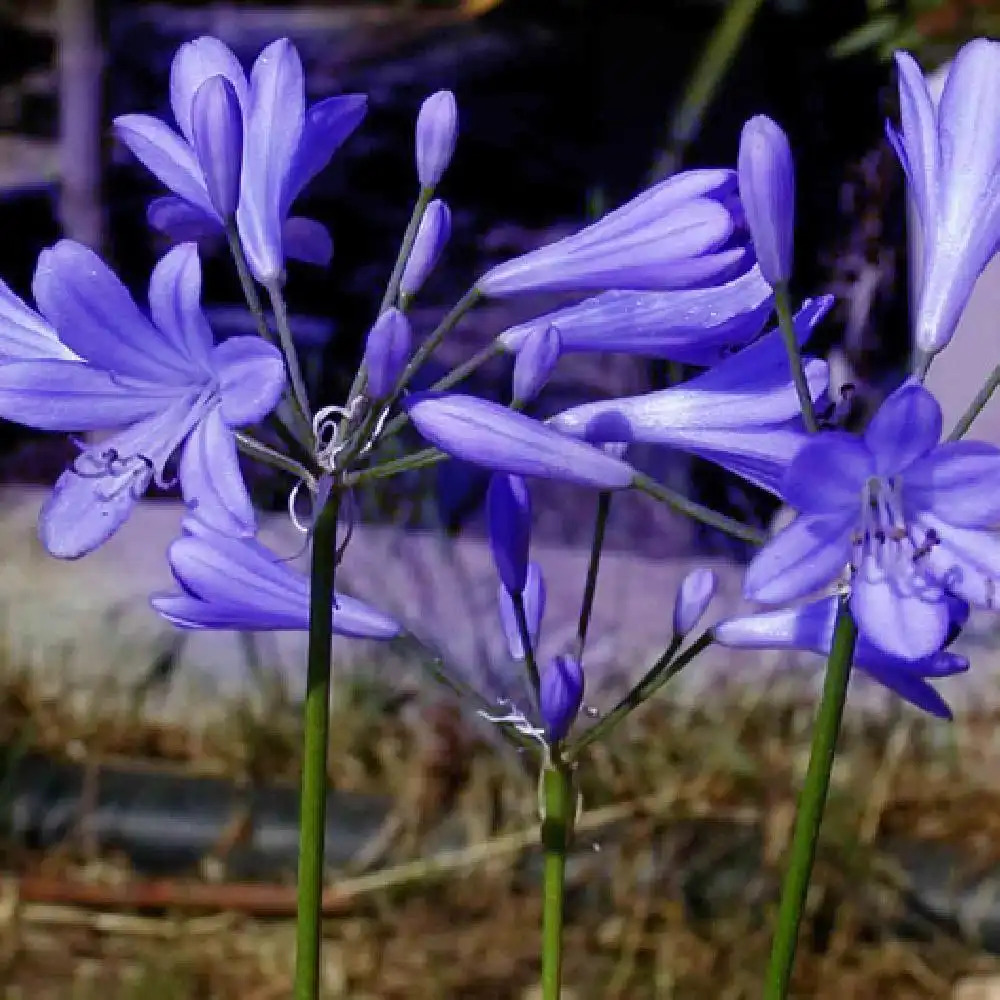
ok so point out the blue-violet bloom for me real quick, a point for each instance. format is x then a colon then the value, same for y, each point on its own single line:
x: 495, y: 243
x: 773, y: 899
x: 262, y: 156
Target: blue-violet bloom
x: 508, y: 520
x: 910, y: 517
x: 951, y: 155
x: 432, y: 237
x: 387, y: 350
x: 238, y: 583
x: 536, y: 360
x: 767, y: 189
x: 811, y: 627
x: 252, y: 134
x: 437, y: 133
x: 99, y: 364
x: 560, y: 696
x: 533, y: 596
x: 693, y: 598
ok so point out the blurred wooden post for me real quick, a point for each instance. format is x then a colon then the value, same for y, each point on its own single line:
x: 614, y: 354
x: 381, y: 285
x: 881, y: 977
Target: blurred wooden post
x: 80, y: 64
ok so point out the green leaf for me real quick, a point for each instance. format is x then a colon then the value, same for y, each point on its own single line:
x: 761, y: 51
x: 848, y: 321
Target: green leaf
x: 874, y: 33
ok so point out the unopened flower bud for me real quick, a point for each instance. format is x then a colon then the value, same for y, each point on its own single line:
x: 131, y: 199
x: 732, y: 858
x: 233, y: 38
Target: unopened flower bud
x: 560, y: 696
x: 533, y: 597
x: 217, y: 134
x: 386, y: 352
x: 693, y: 598
x: 437, y: 132
x: 536, y: 358
x: 508, y: 516
x: 432, y: 236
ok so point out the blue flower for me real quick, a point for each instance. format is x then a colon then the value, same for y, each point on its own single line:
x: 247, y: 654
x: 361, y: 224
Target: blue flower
x: 911, y: 518
x: 92, y: 361
x: 533, y: 594
x: 811, y: 627
x: 508, y: 519
x: 951, y: 156
x: 238, y: 583
x: 743, y: 413
x: 692, y: 599
x: 437, y: 133
x: 253, y: 139
x: 560, y: 696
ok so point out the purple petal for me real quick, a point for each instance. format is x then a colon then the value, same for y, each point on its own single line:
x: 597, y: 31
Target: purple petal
x: 96, y: 317
x: 810, y: 553
x: 251, y: 375
x: 181, y: 221
x: 185, y: 611
x: 906, y: 426
x: 897, y: 612
x: 436, y: 135
x: 959, y: 481
x: 165, y: 155
x: 533, y: 596
x: 307, y: 240
x: 432, y: 237
x: 829, y: 474
x: 73, y: 396
x: 211, y: 482
x: 274, y: 129
x: 965, y: 560
x: 535, y: 362
x: 508, y: 517
x: 217, y: 137
x: 767, y: 190
x: 387, y: 350
x: 695, y: 326
x: 911, y: 688
x: 196, y: 62
x: 496, y: 438
x: 175, y: 305
x: 560, y: 696
x: 693, y: 598
x: 325, y: 128
x: 24, y: 335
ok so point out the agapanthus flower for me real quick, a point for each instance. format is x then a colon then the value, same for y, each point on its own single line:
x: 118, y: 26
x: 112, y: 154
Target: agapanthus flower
x: 533, y: 596
x: 742, y: 414
x: 912, y: 518
x: 951, y: 155
x: 508, y: 520
x: 252, y: 136
x: 681, y: 233
x: 692, y: 599
x: 696, y: 326
x: 432, y: 237
x: 560, y: 696
x: 92, y: 362
x: 767, y: 190
x: 536, y: 359
x: 811, y: 626
x: 238, y: 583
x: 436, y: 135
x: 494, y: 437
x: 387, y: 350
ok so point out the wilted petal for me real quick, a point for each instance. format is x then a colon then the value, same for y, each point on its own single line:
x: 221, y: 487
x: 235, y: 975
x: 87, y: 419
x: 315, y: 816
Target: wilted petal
x: 432, y: 237
x: 693, y: 598
x: 496, y: 438
x: 767, y: 190
x: 217, y: 137
x: 959, y: 481
x: 696, y: 326
x: 906, y: 426
x: 560, y: 696
x: 307, y: 240
x: 195, y: 62
x: 810, y: 553
x: 251, y: 375
x: 536, y: 359
x: 167, y: 156
x: 24, y: 335
x: 436, y: 135
x: 387, y: 350
x: 533, y: 596
x: 508, y: 517
x: 829, y: 474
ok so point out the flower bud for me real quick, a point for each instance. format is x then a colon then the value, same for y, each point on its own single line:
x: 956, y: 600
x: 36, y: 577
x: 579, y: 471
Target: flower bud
x: 533, y: 596
x: 560, y: 696
x: 217, y: 134
x: 386, y: 352
x: 508, y: 516
x: 767, y: 189
x: 693, y: 598
x: 437, y: 132
x: 432, y: 235
x: 536, y: 358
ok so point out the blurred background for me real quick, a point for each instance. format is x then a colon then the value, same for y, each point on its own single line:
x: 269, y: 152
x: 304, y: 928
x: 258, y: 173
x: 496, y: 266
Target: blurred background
x: 147, y: 778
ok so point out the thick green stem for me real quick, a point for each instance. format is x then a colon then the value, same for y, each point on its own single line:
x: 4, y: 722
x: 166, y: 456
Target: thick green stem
x: 590, y: 585
x: 299, y: 394
x: 557, y: 826
x: 783, y: 306
x: 976, y: 406
x: 312, y: 804
x: 812, y: 801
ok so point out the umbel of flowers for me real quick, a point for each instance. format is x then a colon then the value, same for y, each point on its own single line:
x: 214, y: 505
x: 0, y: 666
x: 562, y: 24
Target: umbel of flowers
x: 893, y: 539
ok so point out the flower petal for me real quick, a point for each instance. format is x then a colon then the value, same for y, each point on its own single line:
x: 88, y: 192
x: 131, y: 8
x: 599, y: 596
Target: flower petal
x: 906, y: 426
x: 96, y: 317
x: 217, y: 127
x: 24, y: 335
x: 181, y: 221
x: 251, y: 376
x: 165, y: 155
x: 175, y: 305
x: 211, y: 481
x: 432, y: 237
x: 693, y: 598
x: 195, y: 62
x: 436, y: 135
x: 959, y: 481
x: 508, y: 518
x: 828, y: 474
x: 810, y: 553
x: 964, y: 560
x: 496, y: 438
x: 533, y: 596
x: 560, y: 696
x: 307, y: 240
x: 910, y: 687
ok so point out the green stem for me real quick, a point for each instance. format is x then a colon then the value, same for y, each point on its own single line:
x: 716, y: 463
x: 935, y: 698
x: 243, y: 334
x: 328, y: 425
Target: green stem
x: 557, y: 825
x: 299, y: 394
x: 417, y: 460
x: 783, y: 306
x: 590, y: 586
x: 247, y: 282
x: 706, y: 515
x: 267, y: 455
x: 658, y: 674
x: 976, y: 406
x: 312, y: 804
x: 812, y: 800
